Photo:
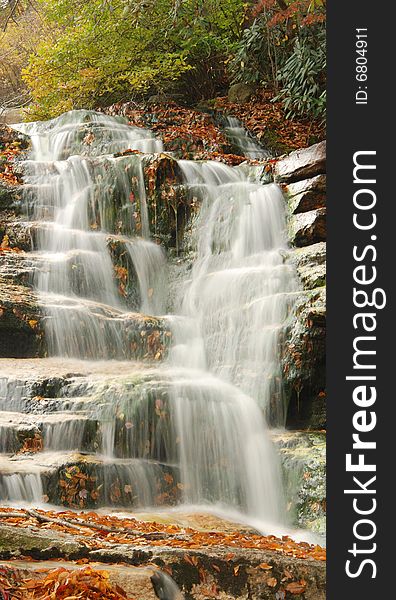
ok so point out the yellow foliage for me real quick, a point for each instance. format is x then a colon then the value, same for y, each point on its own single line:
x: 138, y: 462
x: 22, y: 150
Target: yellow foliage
x: 17, y: 43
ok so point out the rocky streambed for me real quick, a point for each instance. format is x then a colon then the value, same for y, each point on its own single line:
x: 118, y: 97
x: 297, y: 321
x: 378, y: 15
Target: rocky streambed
x: 218, y: 561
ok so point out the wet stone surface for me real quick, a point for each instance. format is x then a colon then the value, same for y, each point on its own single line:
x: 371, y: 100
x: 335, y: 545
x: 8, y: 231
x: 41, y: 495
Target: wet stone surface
x: 230, y: 573
x: 303, y: 456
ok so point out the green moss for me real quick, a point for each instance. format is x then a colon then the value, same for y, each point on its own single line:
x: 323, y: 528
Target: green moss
x: 303, y: 457
x: 273, y: 142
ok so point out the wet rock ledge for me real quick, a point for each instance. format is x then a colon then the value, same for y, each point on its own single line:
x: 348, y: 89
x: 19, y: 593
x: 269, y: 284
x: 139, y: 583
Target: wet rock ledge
x: 221, y: 566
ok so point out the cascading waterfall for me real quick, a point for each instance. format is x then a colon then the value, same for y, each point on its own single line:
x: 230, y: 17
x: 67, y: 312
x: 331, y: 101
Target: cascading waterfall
x: 240, y: 291
x: 78, y: 284
x: 199, y: 418
x: 240, y: 138
x: 150, y: 265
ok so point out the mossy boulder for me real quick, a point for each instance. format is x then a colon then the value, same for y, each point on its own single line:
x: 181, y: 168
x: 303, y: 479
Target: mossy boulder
x: 310, y: 263
x: 15, y: 543
x: 303, y: 458
x: 21, y: 328
x: 303, y: 361
x: 240, y: 93
x: 10, y: 196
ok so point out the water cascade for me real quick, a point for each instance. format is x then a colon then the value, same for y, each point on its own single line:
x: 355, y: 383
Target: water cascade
x: 240, y: 138
x: 80, y: 192
x: 240, y: 292
x: 191, y: 429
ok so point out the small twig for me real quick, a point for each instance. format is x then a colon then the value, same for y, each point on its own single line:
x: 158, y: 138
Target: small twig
x: 10, y: 17
x: 45, y: 519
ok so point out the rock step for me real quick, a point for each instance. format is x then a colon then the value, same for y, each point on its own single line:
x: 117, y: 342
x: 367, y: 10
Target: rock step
x: 128, y: 414
x: 36, y: 407
x: 310, y: 262
x: 19, y: 268
x: 131, y: 415
x: 302, y: 454
x: 301, y: 164
x: 142, y: 431
x: 109, y: 332
x: 49, y: 375
x: 137, y: 582
x: 220, y: 571
x: 308, y: 228
x: 87, y: 480
x: 77, y: 270
x: 306, y: 195
x: 96, y: 139
x: 37, y: 385
x: 56, y: 431
x: 118, y: 206
x: 27, y: 235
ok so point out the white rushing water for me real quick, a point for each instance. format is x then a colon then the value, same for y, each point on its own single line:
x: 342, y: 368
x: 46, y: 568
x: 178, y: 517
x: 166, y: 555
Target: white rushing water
x: 240, y: 291
x: 88, y: 199
x: 204, y: 416
x: 240, y: 138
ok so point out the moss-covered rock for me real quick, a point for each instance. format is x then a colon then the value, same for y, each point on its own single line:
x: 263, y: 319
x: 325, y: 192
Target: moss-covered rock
x: 15, y: 543
x: 10, y: 196
x: 310, y: 263
x: 88, y: 482
x: 303, y: 361
x: 19, y: 267
x: 241, y: 92
x: 20, y: 234
x: 303, y: 457
x: 21, y: 328
x: 125, y: 275
x: 227, y: 573
x: 168, y: 203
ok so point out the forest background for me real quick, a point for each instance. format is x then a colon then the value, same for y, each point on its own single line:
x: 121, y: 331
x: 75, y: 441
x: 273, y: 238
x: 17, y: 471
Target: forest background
x: 57, y: 55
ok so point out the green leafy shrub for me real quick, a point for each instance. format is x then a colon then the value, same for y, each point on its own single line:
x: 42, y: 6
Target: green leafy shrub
x: 303, y: 79
x: 113, y: 50
x: 255, y: 55
x: 283, y: 47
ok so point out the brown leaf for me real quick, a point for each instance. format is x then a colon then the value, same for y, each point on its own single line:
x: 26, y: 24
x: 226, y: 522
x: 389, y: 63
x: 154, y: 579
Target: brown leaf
x: 296, y: 587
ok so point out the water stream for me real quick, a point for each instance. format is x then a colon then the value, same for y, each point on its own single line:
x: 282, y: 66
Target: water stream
x: 199, y: 419
x: 241, y: 140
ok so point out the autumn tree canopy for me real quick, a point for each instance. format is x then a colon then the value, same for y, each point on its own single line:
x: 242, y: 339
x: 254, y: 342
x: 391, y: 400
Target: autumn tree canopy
x: 65, y: 54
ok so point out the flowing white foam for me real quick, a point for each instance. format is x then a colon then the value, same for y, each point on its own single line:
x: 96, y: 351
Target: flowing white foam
x: 240, y: 138
x: 88, y: 194
x: 240, y: 290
